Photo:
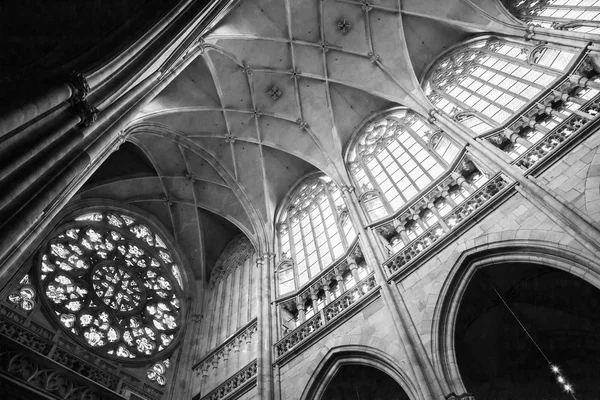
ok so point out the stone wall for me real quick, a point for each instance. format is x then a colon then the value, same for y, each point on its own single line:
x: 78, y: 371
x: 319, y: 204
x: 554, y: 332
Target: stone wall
x: 371, y: 327
x: 230, y: 304
x: 576, y: 178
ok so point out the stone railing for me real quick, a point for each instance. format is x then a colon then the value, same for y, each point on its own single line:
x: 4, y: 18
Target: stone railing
x: 453, y: 219
x: 567, y: 129
x: 325, y: 316
x: 350, y: 297
x: 244, y: 379
x: 45, y: 349
x: 243, y: 335
x: 550, y: 106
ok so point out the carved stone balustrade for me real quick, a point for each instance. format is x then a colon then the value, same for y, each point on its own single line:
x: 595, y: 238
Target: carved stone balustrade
x: 240, y: 382
x: 211, y: 360
x: 548, y: 119
x: 45, y: 348
x: 330, y: 313
x: 453, y: 219
x: 350, y: 297
x: 564, y: 131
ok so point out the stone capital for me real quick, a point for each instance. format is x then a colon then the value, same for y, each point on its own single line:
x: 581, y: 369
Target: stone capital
x: 78, y: 82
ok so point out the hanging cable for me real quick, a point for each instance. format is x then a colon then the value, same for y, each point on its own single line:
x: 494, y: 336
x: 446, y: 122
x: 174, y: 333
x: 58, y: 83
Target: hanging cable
x: 560, y: 378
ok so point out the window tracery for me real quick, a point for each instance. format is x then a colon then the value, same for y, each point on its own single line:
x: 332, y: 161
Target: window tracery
x: 574, y: 15
x: 113, y: 284
x: 24, y: 296
x: 391, y: 161
x: 157, y: 373
x: 314, y: 230
x: 487, y: 81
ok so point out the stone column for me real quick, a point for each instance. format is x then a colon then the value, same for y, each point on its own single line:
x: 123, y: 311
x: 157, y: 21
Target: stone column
x: 301, y: 313
x: 264, y: 384
x: 91, y: 146
x: 582, y: 230
x: 401, y: 230
x: 436, y: 212
x: 340, y: 280
x: 420, y: 365
x: 462, y: 182
x: 353, y: 268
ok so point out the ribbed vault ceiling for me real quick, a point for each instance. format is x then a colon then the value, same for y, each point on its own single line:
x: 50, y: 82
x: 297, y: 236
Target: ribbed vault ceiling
x: 276, y: 93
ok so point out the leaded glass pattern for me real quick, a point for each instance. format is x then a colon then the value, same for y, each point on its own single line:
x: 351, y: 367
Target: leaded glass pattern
x: 391, y: 163
x: 314, y: 230
x: 576, y: 15
x: 113, y: 283
x: 157, y: 373
x: 485, y: 82
x: 24, y: 295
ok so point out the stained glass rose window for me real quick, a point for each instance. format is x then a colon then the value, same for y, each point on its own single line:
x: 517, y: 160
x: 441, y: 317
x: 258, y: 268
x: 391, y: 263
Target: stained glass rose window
x: 114, y: 284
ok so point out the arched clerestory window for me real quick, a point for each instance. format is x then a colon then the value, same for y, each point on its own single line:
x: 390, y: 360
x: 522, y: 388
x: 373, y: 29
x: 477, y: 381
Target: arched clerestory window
x: 314, y: 229
x: 394, y: 158
x: 484, y: 82
x: 573, y: 15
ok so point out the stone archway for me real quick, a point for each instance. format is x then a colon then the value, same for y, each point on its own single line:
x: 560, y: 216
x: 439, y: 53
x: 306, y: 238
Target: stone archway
x: 456, y: 285
x: 339, y: 358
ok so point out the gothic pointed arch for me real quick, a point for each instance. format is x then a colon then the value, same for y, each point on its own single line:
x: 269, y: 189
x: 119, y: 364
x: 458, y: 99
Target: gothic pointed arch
x: 394, y: 156
x: 571, y: 15
x: 446, y: 311
x: 313, y: 230
x: 341, y: 356
x: 485, y: 81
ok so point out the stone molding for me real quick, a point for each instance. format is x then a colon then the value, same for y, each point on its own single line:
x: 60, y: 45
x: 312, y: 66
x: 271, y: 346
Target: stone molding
x: 235, y: 386
x: 221, y: 353
x: 237, y: 251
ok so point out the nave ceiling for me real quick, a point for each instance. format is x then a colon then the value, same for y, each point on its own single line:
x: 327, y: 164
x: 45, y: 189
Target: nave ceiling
x: 277, y: 92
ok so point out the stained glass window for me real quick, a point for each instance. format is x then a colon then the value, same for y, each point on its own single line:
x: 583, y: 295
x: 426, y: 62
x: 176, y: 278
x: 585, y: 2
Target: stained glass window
x: 574, y: 15
x: 313, y: 231
x: 24, y: 296
x: 485, y: 82
x: 391, y: 162
x: 113, y: 284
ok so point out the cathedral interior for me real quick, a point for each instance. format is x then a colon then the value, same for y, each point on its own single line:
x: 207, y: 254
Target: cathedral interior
x: 300, y: 199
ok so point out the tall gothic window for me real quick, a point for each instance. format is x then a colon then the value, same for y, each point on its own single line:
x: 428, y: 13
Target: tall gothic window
x: 485, y: 82
x: 573, y: 15
x: 391, y: 161
x: 114, y: 285
x: 314, y: 230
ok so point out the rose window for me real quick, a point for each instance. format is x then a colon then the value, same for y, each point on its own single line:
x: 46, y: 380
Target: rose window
x: 113, y: 283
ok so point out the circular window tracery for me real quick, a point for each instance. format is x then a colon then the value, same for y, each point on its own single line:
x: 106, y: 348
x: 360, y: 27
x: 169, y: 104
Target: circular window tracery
x: 112, y: 282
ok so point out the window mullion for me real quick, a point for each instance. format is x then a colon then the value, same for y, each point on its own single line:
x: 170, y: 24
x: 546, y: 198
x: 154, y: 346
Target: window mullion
x: 415, y: 160
x: 506, y: 75
x: 401, y: 168
x: 314, y: 235
x: 304, y: 247
x: 376, y: 186
x: 468, y: 108
x: 337, y: 221
x: 327, y: 237
x: 525, y: 64
x: 493, y: 85
x: 487, y: 100
x: 293, y: 250
x: 424, y: 145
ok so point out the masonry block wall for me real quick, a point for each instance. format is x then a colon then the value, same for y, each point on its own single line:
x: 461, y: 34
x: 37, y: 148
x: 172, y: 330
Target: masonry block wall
x: 371, y: 327
x: 576, y: 178
x: 229, y: 305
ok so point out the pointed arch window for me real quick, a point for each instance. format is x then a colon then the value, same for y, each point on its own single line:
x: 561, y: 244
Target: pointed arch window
x: 314, y: 230
x: 574, y: 15
x: 391, y: 161
x: 485, y: 82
